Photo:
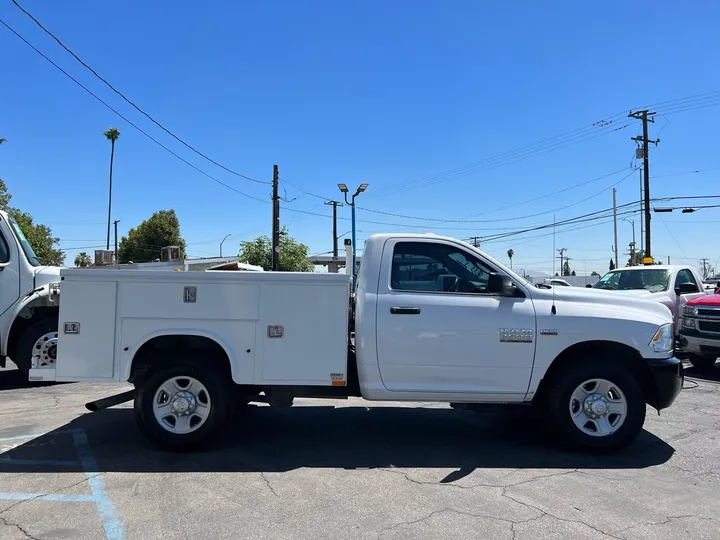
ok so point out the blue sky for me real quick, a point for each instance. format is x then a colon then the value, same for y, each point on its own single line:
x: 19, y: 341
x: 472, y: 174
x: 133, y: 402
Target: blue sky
x: 388, y: 93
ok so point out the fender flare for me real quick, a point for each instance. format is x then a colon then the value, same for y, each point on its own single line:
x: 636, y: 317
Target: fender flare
x: 40, y: 296
x: 128, y: 357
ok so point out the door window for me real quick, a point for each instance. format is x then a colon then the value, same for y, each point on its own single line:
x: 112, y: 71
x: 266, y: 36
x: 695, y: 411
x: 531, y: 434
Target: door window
x: 685, y: 276
x: 435, y: 267
x: 4, y: 250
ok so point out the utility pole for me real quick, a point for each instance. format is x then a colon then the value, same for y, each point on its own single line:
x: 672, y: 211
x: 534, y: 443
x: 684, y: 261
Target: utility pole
x: 642, y: 206
x: 334, y: 204
x: 561, y: 251
x: 705, y: 268
x: 117, y: 261
x: 275, y: 220
x: 475, y: 241
x: 643, y: 116
x: 615, y: 246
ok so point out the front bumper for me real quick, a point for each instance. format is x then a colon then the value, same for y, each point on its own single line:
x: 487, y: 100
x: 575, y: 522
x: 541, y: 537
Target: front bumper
x: 695, y: 342
x: 667, y: 377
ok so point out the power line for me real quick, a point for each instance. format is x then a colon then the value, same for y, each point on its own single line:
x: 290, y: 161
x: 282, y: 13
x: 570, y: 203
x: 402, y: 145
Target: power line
x: 119, y: 93
x: 153, y: 139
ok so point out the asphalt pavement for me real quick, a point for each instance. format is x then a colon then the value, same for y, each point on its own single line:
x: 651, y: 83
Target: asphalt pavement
x: 350, y: 470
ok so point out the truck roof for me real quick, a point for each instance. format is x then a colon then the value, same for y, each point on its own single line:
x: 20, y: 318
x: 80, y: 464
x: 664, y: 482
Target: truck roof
x: 653, y: 266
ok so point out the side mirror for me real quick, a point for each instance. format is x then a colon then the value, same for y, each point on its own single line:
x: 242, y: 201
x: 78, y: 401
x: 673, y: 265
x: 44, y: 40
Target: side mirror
x: 686, y: 288
x: 502, y: 285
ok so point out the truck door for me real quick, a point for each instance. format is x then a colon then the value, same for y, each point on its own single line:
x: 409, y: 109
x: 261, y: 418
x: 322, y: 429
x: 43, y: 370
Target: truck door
x: 9, y: 269
x: 685, y: 275
x: 440, y: 331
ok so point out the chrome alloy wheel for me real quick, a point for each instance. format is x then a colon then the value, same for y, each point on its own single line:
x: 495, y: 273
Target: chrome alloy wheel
x: 44, y: 351
x: 181, y: 405
x: 598, y: 407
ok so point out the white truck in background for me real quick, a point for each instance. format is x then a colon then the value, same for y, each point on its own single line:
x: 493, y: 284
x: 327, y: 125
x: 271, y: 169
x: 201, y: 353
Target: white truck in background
x: 29, y: 302
x: 433, y: 319
x: 671, y: 285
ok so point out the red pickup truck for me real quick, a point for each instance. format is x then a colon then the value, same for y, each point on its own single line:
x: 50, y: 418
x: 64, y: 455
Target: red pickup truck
x: 700, y: 330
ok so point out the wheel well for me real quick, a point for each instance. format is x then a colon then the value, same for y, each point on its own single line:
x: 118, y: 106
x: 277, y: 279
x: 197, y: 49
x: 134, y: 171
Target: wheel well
x: 614, y: 352
x: 21, y: 324
x: 174, y: 349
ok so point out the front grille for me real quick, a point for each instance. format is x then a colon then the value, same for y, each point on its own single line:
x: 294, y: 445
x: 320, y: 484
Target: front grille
x: 709, y: 313
x: 709, y: 326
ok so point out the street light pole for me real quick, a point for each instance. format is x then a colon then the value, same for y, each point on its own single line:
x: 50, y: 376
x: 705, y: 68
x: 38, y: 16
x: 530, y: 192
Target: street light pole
x: 344, y: 190
x: 222, y: 242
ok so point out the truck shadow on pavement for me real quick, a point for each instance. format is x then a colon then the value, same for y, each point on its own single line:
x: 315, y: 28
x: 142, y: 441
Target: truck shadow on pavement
x: 12, y: 379
x: 263, y: 439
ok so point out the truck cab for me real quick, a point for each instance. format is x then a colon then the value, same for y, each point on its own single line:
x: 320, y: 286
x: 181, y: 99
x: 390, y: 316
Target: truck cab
x: 29, y: 300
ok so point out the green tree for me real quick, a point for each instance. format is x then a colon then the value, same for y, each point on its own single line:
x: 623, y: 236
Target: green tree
x: 510, y: 253
x: 573, y: 273
x: 594, y: 273
x: 83, y: 260
x: 566, y: 269
x: 612, y: 264
x: 39, y: 236
x: 638, y: 259
x: 145, y: 242
x: 112, y: 135
x: 293, y: 254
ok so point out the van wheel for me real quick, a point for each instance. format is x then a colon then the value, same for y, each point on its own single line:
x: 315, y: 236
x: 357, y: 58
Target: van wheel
x: 182, y: 407
x: 39, y: 340
x: 595, y: 406
x: 703, y: 363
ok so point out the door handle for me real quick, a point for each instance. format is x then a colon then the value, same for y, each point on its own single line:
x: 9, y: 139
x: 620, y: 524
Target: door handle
x: 405, y: 310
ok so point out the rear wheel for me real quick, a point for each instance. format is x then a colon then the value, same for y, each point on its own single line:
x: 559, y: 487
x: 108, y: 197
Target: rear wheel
x: 702, y: 362
x: 594, y: 406
x: 182, y: 407
x: 38, y: 342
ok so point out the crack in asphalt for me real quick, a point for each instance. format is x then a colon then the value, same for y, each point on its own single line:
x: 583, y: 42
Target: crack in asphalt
x: 667, y: 520
x: 553, y: 516
x: 41, y: 495
x: 269, y: 486
x: 434, y: 513
x: 7, y: 523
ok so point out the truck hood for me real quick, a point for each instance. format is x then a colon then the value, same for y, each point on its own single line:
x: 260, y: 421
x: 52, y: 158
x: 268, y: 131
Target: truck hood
x: 707, y: 300
x: 637, y: 293
x: 638, y: 300
x: 45, y: 275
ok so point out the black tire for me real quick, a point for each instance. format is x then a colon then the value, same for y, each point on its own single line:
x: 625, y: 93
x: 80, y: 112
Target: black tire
x: 221, y: 396
x: 556, y: 404
x: 24, y: 349
x: 702, y: 363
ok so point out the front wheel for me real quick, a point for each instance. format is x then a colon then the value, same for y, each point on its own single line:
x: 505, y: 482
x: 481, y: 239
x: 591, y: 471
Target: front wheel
x: 39, y: 343
x: 182, y: 407
x: 702, y: 363
x: 594, y: 406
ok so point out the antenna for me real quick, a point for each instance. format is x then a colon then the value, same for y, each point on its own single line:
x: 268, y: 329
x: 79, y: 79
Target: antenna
x: 553, y: 309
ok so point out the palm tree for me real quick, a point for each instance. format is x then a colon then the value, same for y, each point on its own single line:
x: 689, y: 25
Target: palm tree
x: 111, y: 135
x: 83, y: 260
x: 510, y: 253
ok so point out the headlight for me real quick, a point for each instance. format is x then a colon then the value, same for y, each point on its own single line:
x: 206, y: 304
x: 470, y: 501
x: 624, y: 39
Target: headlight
x: 689, y: 311
x: 663, y: 340
x: 688, y: 323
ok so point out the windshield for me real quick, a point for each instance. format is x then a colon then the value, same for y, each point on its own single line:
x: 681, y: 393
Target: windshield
x: 653, y: 280
x: 26, y: 247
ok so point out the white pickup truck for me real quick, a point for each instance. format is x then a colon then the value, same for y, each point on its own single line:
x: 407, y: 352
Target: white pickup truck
x: 433, y: 319
x: 28, y: 301
x: 671, y: 285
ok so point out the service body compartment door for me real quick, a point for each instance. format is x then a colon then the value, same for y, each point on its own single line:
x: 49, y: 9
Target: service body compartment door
x: 440, y: 331
x: 86, y: 339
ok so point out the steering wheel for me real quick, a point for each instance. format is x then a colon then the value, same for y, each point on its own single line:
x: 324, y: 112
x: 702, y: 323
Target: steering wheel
x: 455, y: 285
